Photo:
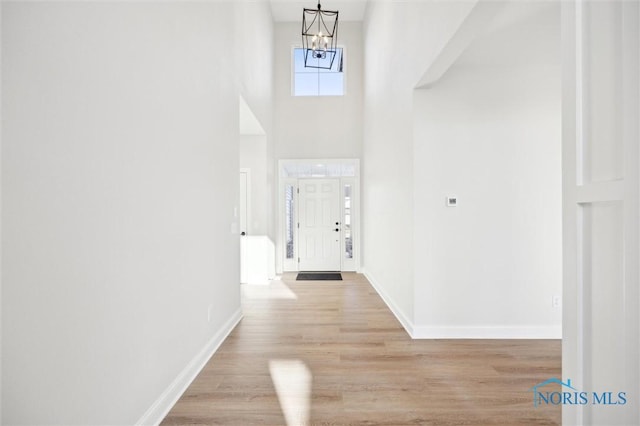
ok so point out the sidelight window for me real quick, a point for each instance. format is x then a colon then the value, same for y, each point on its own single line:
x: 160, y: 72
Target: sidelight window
x: 289, y: 220
x: 346, y: 220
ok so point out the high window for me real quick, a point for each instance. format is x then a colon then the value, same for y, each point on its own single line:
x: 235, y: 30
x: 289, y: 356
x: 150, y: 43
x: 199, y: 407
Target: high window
x: 308, y: 81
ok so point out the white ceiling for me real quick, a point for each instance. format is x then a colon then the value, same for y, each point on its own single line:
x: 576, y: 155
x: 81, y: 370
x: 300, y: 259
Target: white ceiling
x: 291, y: 10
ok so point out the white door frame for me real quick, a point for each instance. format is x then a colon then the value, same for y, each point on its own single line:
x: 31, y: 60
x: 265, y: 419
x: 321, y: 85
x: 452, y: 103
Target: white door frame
x: 247, y: 202
x: 247, y: 218
x: 601, y: 206
x: 284, y: 264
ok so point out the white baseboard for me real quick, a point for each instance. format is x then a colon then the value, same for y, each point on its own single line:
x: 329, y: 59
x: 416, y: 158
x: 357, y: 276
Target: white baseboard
x: 472, y: 332
x: 161, y: 407
x: 463, y: 332
x: 402, y: 318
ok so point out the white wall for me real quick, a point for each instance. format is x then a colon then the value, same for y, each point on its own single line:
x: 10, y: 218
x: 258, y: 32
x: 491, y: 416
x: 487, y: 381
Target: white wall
x: 119, y: 180
x: 489, y: 133
x: 458, y: 139
x: 318, y: 127
x: 401, y: 39
x: 1, y: 174
x: 253, y: 156
x: 254, y: 41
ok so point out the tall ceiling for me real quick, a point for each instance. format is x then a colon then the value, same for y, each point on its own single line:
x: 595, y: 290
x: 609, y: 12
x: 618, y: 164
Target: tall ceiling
x: 291, y: 10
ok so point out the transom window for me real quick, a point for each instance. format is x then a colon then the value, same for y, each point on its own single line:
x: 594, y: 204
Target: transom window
x: 309, y: 81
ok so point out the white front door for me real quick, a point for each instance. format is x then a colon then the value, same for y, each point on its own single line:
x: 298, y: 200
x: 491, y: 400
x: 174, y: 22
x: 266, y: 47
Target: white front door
x: 319, y: 225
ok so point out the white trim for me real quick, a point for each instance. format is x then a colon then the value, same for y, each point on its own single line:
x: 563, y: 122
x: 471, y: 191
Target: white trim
x: 463, y: 332
x: 161, y: 407
x: 400, y: 316
x: 284, y: 265
x: 487, y: 332
x: 248, y: 206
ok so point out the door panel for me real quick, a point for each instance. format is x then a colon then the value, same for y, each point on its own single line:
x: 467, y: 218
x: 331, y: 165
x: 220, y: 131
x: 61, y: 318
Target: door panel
x: 319, y: 248
x: 601, y: 92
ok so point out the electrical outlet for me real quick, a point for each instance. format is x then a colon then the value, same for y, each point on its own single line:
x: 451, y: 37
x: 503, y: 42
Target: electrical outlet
x: 556, y: 301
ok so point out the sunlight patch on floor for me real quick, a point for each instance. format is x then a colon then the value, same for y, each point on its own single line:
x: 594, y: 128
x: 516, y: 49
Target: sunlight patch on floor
x: 275, y: 290
x: 292, y: 381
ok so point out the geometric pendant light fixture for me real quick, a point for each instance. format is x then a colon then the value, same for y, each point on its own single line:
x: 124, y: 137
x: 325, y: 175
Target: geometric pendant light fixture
x: 319, y: 37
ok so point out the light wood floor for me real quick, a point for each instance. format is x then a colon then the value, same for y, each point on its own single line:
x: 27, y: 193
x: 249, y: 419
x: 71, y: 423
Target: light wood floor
x: 338, y: 356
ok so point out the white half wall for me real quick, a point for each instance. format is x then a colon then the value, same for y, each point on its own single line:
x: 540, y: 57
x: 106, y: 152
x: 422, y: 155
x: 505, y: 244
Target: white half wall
x: 120, y: 270
x: 489, y: 133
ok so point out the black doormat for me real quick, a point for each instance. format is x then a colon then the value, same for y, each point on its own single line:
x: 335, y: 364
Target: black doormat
x: 319, y: 276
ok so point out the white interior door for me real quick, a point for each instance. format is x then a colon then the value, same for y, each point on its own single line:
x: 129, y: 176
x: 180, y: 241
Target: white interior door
x: 601, y: 91
x: 319, y: 225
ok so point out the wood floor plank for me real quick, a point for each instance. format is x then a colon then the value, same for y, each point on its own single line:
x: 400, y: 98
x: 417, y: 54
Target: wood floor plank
x: 331, y: 353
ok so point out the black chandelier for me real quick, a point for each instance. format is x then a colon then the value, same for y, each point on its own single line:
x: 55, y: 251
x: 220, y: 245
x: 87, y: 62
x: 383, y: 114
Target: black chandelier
x: 319, y: 37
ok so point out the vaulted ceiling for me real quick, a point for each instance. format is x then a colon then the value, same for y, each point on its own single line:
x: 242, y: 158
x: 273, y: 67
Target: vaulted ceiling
x: 291, y: 10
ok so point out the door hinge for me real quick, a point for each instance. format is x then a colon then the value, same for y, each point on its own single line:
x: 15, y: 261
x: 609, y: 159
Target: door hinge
x: 298, y: 225
x: 298, y: 260
x: 298, y: 190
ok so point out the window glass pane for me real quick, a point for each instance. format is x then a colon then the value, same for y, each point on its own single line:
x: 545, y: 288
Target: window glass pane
x: 319, y: 170
x: 348, y: 170
x: 348, y: 237
x: 305, y: 170
x: 326, y: 64
x: 306, y: 84
x: 289, y: 170
x: 298, y: 61
x: 289, y: 216
x: 334, y: 170
x: 313, y: 169
x: 331, y: 84
x: 298, y: 64
x: 310, y: 81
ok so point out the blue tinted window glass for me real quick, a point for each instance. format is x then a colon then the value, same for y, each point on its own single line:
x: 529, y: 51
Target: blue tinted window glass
x: 330, y: 84
x: 306, y: 84
x: 315, y: 81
